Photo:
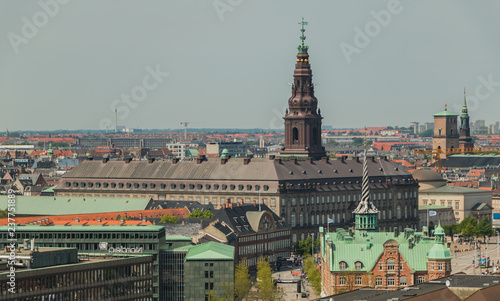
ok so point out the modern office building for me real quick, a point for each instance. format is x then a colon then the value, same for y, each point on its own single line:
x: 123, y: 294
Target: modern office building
x: 97, y: 240
x: 60, y: 274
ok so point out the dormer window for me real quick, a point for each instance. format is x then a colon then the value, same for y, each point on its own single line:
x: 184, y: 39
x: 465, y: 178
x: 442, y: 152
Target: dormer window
x: 342, y: 265
x: 358, y: 265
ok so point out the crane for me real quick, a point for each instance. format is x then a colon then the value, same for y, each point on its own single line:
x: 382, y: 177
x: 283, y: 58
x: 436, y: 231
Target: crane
x: 185, y: 129
x: 435, y: 152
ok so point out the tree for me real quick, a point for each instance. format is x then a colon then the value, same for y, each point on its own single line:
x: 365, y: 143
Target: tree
x: 228, y: 294
x: 197, y: 213
x: 426, y: 133
x: 450, y: 230
x: 167, y: 219
x: 313, y: 274
x: 4, y: 213
x: 484, y: 228
x: 469, y: 220
x: 304, y: 246
x: 242, y: 282
x: 267, y: 289
x: 469, y: 231
x: 358, y: 141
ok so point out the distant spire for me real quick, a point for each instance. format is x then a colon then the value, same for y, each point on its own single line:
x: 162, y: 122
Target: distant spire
x: 303, y: 47
x: 464, y: 106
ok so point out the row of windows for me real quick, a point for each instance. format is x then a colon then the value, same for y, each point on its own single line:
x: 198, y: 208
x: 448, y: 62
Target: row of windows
x: 380, y: 196
x: 391, y: 281
x: 83, y: 235
x: 447, y: 203
x: 440, y: 266
x: 173, y: 186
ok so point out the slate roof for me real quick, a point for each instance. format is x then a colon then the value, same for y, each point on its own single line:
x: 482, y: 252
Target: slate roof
x: 81, y: 228
x: 63, y: 205
x: 210, y: 251
x: 258, y: 169
x: 244, y: 219
x: 471, y: 161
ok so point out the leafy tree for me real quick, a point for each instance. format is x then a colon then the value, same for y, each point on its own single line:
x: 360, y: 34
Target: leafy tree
x: 267, y: 289
x: 390, y: 128
x: 197, y: 213
x: 358, y: 141
x: 304, y: 246
x: 426, y: 133
x: 60, y: 144
x: 451, y: 229
x: 167, y: 219
x: 484, y: 228
x: 242, y: 282
x: 469, y: 220
x: 228, y: 294
x: 469, y: 231
x: 4, y: 213
x: 313, y: 274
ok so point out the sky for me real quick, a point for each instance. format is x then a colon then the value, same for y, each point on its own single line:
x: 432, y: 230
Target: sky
x: 67, y: 64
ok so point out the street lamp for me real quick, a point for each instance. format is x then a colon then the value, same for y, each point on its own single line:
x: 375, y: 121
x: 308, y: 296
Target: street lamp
x: 312, y: 245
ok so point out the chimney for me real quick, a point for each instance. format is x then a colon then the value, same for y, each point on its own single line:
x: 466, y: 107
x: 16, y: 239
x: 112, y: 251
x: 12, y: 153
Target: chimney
x: 200, y: 159
x: 223, y: 161
x: 272, y: 157
x: 151, y: 160
x: 295, y: 160
x: 77, y: 220
x: 98, y: 219
x: 326, y: 159
x: 373, y: 158
x: 175, y: 160
x: 90, y: 158
x: 127, y: 160
x: 246, y: 161
x: 105, y: 160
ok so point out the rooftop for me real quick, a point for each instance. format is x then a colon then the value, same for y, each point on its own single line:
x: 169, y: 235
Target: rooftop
x: 210, y: 251
x: 81, y: 228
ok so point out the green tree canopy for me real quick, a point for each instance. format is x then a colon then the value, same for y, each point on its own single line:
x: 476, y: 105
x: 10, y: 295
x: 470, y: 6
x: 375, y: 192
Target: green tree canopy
x: 304, y: 246
x: 167, y: 219
x: 469, y: 231
x: 197, y: 213
x: 242, y: 282
x: 426, y: 133
x: 265, y: 284
x: 484, y: 228
x: 313, y: 274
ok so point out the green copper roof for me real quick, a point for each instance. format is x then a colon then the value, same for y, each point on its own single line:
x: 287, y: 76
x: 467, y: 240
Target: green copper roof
x: 211, y: 251
x: 439, y: 252
x: 367, y: 247
x: 177, y: 238
x: 50, y: 189
x: 81, y: 228
x: 445, y: 113
x: 430, y: 207
x: 64, y: 205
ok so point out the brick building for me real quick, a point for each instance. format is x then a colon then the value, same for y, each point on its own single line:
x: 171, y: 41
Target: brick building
x: 363, y: 257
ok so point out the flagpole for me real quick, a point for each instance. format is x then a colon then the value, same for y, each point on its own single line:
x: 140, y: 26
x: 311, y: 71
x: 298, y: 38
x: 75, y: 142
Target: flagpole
x: 428, y: 232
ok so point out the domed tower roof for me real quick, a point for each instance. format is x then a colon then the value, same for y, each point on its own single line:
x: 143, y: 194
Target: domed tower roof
x: 224, y: 153
x: 439, y: 249
x: 428, y: 179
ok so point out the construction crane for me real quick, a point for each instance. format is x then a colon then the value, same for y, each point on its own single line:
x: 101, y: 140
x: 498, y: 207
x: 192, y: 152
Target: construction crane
x: 435, y: 152
x: 185, y: 129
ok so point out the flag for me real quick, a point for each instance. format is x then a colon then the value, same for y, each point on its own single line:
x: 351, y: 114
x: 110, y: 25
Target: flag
x: 330, y: 220
x: 432, y: 213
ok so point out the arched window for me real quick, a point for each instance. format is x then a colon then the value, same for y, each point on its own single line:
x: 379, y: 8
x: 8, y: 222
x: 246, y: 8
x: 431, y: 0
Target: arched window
x: 295, y: 135
x: 406, y: 211
x: 323, y: 219
x: 358, y: 265
x: 312, y: 218
x: 301, y: 219
x: 342, y: 265
x: 292, y: 219
x: 398, y: 211
x: 390, y: 213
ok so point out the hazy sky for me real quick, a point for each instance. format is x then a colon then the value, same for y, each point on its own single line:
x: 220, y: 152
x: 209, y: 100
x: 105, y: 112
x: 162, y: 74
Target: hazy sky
x: 226, y: 63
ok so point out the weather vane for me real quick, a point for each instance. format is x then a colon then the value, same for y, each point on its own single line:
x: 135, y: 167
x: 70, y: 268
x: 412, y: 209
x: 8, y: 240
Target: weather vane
x: 303, y: 37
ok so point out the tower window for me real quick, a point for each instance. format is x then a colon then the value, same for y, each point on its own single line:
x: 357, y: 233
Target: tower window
x: 295, y: 135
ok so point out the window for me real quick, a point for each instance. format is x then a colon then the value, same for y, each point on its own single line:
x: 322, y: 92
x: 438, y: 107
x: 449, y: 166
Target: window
x: 293, y: 202
x: 342, y: 280
x: 447, y: 266
x: 432, y: 266
x: 400, y: 266
x: 403, y: 281
x: 216, y: 186
x: 292, y: 219
x: 273, y: 202
x: 391, y: 281
x: 257, y: 187
x: 440, y: 266
x: 399, y: 195
x: 240, y: 187
x: 457, y: 205
x: 420, y: 279
x: 358, y: 265
x: 301, y: 219
x: 381, y: 266
x: 232, y: 187
x: 266, y: 187
x: 342, y: 265
x: 398, y: 211
x: 358, y: 281
x: 390, y: 265
x: 378, y: 281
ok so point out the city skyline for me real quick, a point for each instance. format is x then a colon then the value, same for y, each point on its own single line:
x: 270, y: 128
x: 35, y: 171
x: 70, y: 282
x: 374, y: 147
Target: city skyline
x: 206, y: 63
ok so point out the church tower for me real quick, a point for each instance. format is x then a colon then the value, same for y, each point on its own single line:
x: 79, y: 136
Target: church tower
x: 303, y: 118
x: 439, y: 258
x: 465, y: 140
x: 365, y: 213
x: 445, y: 131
